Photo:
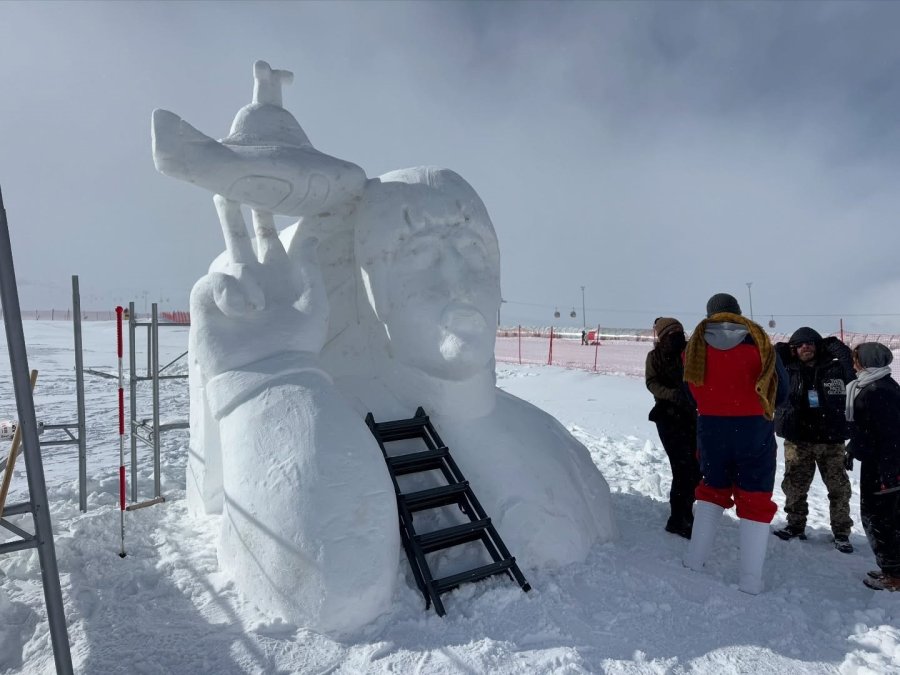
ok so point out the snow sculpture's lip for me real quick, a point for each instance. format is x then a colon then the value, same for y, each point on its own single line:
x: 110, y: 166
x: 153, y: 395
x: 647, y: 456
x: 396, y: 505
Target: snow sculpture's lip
x: 460, y: 317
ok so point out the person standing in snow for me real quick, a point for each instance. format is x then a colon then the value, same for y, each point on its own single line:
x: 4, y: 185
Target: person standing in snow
x: 737, y: 380
x: 584, y: 339
x: 814, y: 429
x: 675, y: 416
x: 873, y: 411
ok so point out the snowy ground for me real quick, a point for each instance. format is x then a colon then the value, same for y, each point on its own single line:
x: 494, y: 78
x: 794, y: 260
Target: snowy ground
x: 630, y: 608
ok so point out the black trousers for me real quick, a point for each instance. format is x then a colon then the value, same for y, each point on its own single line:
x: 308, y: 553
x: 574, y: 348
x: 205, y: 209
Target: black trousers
x: 679, y: 439
x: 880, y: 518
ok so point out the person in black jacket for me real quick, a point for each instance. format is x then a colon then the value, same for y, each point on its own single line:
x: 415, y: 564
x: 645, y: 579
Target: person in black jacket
x: 814, y: 428
x: 873, y: 410
x: 675, y: 415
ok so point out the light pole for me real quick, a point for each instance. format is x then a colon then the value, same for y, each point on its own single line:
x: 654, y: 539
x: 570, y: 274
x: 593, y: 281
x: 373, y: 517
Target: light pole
x: 498, y: 311
x: 583, y: 317
x: 750, y: 295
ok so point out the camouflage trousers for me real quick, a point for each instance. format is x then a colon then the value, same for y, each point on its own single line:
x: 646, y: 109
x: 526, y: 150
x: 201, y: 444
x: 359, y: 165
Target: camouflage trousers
x: 800, y: 462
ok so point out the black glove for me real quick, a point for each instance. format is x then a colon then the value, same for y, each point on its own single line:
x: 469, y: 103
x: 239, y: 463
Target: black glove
x: 848, y: 461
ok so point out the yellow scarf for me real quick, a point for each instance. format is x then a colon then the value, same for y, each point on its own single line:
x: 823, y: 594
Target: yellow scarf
x: 695, y: 358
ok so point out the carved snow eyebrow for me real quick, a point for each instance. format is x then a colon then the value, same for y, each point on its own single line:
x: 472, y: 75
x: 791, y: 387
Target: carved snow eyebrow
x: 418, y: 219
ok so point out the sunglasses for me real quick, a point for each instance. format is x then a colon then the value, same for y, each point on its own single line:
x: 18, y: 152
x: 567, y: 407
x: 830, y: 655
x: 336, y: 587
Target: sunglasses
x: 803, y: 344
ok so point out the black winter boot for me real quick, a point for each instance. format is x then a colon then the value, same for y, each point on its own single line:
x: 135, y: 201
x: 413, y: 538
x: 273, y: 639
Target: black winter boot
x: 680, y: 526
x: 842, y: 544
x: 791, y: 532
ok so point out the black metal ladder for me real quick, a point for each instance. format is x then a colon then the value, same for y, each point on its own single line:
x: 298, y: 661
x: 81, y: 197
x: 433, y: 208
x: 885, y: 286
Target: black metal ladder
x: 457, y: 492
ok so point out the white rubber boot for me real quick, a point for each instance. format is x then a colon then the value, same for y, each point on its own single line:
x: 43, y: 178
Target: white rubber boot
x: 754, y: 538
x: 706, y: 521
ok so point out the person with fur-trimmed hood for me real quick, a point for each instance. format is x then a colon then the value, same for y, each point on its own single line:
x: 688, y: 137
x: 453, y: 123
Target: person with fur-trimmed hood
x: 675, y: 415
x: 737, y: 380
x: 873, y: 411
x: 814, y: 429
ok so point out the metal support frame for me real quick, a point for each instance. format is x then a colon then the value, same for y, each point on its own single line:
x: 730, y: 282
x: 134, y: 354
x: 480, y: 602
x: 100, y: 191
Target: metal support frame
x: 148, y: 430
x: 73, y: 433
x: 37, y: 505
x: 79, y: 394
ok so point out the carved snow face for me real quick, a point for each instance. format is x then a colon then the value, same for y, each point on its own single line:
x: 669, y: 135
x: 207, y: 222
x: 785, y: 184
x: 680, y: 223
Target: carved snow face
x: 431, y: 268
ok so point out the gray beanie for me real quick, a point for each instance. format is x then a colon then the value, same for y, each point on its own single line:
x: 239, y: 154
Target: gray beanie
x: 722, y: 302
x: 873, y: 355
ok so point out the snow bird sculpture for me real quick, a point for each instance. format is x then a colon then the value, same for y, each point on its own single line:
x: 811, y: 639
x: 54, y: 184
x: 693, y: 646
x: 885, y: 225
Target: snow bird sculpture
x: 266, y: 161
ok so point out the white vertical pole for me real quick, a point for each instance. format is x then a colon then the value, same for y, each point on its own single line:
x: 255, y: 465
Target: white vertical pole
x: 119, y: 311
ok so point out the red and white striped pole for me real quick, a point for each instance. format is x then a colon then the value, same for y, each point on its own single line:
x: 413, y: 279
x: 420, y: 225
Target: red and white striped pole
x: 119, y: 311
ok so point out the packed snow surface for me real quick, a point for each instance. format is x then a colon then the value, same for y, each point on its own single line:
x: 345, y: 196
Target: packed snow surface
x: 631, y: 607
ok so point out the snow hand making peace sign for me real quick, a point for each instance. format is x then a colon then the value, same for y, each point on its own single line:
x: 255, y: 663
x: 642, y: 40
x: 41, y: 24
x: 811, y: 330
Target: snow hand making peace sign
x: 259, y: 303
x: 308, y: 528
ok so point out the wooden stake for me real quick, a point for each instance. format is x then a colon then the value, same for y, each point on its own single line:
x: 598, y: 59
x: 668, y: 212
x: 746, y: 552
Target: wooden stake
x: 13, y: 453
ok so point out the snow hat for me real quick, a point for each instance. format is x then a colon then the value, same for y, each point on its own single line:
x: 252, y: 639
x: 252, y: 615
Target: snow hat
x: 722, y: 302
x: 873, y: 355
x: 665, y: 325
x: 804, y: 334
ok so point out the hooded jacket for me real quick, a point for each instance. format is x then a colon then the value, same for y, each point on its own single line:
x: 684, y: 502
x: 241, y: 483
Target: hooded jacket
x: 745, y: 378
x: 875, y: 430
x: 814, y: 411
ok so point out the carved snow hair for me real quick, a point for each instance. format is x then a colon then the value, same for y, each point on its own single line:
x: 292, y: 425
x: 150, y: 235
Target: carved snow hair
x: 406, y: 202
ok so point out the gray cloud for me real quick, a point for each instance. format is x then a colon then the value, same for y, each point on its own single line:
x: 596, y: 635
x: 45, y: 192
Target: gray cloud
x: 654, y: 152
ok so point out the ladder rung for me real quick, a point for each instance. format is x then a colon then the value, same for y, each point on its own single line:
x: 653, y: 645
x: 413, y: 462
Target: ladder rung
x: 442, y: 495
x: 452, y: 536
x: 393, y: 426
x: 448, y: 583
x: 417, y: 461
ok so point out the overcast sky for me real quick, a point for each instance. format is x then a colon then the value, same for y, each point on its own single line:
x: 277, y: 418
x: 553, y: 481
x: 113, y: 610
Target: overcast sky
x: 655, y: 153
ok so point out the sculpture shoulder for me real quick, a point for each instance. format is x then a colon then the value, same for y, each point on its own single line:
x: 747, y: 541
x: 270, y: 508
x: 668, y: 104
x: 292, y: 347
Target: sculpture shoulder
x: 526, y: 420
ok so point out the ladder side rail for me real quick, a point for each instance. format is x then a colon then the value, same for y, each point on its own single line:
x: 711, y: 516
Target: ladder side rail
x: 34, y: 467
x: 454, y: 467
x: 414, y: 553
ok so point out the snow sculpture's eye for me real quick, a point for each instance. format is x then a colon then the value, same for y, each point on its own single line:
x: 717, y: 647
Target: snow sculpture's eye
x: 473, y: 251
x: 422, y: 253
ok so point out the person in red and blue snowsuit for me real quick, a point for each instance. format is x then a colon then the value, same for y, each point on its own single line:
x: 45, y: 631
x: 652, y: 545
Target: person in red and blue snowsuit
x: 736, y: 379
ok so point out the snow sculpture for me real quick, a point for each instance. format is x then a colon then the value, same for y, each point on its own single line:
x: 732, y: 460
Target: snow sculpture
x: 309, y: 523
x: 290, y: 348
x: 429, y: 265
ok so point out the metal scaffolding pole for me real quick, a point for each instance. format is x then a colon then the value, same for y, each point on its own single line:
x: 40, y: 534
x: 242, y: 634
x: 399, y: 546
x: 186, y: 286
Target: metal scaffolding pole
x: 37, y: 488
x: 154, y: 349
x: 79, y: 392
x: 132, y: 399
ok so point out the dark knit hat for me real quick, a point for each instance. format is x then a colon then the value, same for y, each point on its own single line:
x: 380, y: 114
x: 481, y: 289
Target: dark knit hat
x: 665, y: 325
x: 804, y: 334
x: 722, y: 302
x: 873, y: 355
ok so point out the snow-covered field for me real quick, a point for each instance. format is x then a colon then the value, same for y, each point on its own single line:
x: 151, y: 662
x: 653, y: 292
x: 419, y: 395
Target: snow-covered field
x: 630, y: 608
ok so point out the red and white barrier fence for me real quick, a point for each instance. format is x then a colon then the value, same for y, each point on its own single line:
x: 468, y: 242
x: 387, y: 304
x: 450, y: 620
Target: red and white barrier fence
x: 175, y: 316
x: 615, y: 353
